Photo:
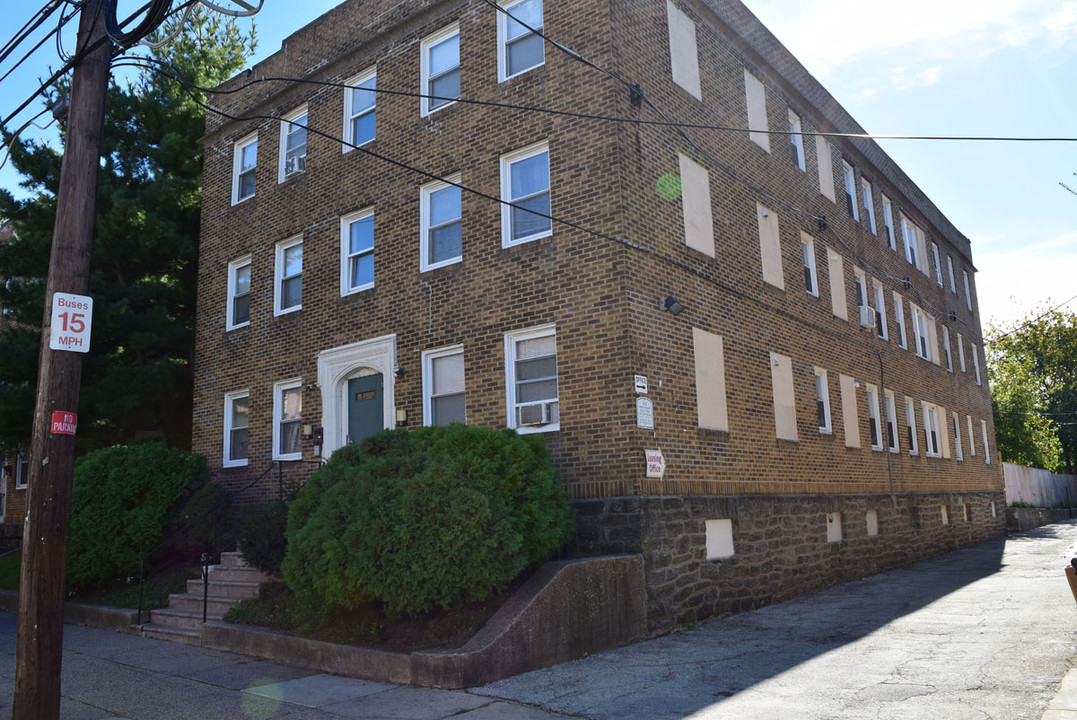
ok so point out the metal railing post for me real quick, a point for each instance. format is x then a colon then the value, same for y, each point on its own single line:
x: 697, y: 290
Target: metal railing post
x: 205, y: 585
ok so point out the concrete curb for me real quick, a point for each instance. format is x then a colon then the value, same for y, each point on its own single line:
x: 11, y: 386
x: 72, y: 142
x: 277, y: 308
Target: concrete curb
x: 98, y: 616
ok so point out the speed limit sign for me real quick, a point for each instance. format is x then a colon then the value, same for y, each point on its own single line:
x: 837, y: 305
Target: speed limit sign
x: 71, y: 316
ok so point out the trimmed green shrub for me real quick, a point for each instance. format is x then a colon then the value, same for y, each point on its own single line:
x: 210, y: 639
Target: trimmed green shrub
x: 125, y: 500
x: 433, y: 517
x: 261, y: 536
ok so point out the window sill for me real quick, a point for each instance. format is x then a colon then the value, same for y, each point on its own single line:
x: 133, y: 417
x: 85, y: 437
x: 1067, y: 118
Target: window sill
x: 230, y: 328
x: 288, y: 458
x: 289, y: 311
x: 444, y: 263
x: 234, y: 464
x: 505, y: 244
x: 533, y: 429
x: 356, y: 290
x: 347, y: 146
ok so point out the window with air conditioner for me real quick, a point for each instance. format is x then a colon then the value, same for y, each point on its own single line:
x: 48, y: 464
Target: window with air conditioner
x: 531, y: 382
x: 293, y: 144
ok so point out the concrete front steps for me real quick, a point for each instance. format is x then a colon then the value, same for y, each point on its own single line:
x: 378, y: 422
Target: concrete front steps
x: 231, y: 581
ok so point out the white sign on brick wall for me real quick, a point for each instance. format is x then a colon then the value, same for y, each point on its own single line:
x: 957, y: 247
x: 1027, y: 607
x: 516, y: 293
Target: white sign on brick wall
x: 656, y: 464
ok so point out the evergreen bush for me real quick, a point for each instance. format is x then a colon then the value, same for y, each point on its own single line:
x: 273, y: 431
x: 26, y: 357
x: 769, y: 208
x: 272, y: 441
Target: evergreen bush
x: 433, y: 517
x: 262, y: 536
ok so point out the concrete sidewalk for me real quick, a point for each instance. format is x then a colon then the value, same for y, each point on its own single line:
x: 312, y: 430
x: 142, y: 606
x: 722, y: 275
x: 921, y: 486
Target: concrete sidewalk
x: 986, y: 632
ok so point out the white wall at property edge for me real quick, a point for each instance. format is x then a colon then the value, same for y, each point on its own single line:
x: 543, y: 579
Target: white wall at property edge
x: 1038, y: 488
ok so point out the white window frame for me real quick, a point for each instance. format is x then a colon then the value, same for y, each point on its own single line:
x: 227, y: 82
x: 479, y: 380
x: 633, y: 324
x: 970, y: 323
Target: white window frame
x: 972, y: 437
x: 888, y: 223
x: 511, y: 340
x: 938, y: 262
x: 796, y: 139
x: 893, y: 439
x: 950, y: 272
x: 957, y: 437
x: 424, y: 223
x: 229, y: 401
x: 287, y: 123
x: 807, y: 243
x: 822, y: 393
x: 429, y: 356
x: 968, y: 292
x: 860, y: 288
x: 424, y: 66
x: 932, y: 431
x: 899, y: 315
x: 278, y: 413
x: 22, y: 467
x: 502, y: 37
x: 908, y: 237
x: 237, y: 155
x: 987, y: 447
x: 910, y: 426
x: 946, y: 349
x: 233, y: 269
x: 507, y: 161
x: 869, y: 204
x: 961, y: 352
x: 349, y: 101
x: 880, y: 310
x: 920, y: 331
x: 976, y: 364
x: 278, y: 277
x: 875, y: 414
x: 346, y: 255
x: 852, y: 205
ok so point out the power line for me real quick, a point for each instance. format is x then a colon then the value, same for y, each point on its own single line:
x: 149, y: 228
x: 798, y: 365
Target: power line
x: 32, y: 24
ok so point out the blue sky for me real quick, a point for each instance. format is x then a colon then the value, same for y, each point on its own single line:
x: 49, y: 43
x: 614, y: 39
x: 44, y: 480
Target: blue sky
x: 990, y: 67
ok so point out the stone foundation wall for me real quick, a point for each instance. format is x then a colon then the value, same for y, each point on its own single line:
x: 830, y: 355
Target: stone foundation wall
x: 780, y: 543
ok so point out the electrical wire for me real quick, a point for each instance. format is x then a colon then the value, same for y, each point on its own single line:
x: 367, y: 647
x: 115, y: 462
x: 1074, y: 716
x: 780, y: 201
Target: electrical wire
x: 31, y: 25
x: 34, y: 49
x: 155, y: 13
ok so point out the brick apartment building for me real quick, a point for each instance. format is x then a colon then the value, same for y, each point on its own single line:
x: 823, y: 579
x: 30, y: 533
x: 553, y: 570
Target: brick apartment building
x: 786, y: 318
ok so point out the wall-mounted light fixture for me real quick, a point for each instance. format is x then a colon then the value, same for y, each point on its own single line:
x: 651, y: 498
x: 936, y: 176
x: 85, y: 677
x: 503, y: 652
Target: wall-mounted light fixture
x: 399, y: 372
x: 671, y: 304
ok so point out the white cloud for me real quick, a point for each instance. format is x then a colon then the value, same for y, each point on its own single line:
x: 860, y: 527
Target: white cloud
x: 914, y: 39
x: 1016, y: 277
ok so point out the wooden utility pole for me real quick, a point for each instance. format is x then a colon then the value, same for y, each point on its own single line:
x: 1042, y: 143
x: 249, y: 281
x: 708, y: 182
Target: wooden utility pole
x: 39, y: 641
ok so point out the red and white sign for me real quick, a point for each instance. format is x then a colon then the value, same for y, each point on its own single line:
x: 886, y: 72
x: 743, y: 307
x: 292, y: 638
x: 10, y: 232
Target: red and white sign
x: 64, y: 423
x: 71, y: 316
x: 656, y: 464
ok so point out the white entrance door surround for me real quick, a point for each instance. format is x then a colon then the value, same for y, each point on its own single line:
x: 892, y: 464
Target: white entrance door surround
x: 336, y: 367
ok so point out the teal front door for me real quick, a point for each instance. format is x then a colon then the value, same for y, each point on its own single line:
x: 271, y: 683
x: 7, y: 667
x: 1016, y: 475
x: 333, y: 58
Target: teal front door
x: 366, y: 413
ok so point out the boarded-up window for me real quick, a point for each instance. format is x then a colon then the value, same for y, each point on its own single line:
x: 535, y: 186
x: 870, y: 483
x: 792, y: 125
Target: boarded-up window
x: 785, y: 414
x: 682, y: 51
x: 826, y: 167
x: 848, y: 411
x: 837, y: 284
x: 757, y: 110
x: 696, y: 203
x: 770, y: 246
x: 710, y: 380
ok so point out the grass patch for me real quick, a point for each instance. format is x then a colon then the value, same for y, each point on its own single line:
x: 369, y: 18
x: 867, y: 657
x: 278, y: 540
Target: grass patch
x: 10, y: 565
x: 278, y: 608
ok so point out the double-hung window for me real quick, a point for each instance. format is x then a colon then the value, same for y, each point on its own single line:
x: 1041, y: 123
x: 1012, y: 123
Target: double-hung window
x: 531, y: 380
x: 440, y: 69
x: 357, y: 252
x: 946, y: 348
x: 957, y: 436
x: 920, y: 333
x: 244, y: 165
x: 976, y: 364
x: 869, y: 205
x: 880, y: 311
x: 288, y: 280
x: 888, y: 222
x: 525, y: 185
x: 899, y: 316
x: 287, y: 420
x: 892, y: 441
x: 293, y: 144
x: 874, y: 418
x: 931, y: 430
x: 360, y: 104
x: 850, y: 191
x: 796, y: 140
x: 519, y: 49
x: 910, y: 425
x: 968, y: 291
x: 972, y: 437
x: 811, y: 281
x: 908, y: 236
x: 443, y: 386
x: 961, y: 351
x: 822, y: 401
x: 239, y: 293
x: 950, y: 272
x: 441, y: 241
x: 236, y: 428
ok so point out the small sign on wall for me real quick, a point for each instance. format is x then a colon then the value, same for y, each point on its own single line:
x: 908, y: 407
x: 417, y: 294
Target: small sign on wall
x: 645, y: 413
x: 656, y: 464
x: 641, y: 384
x: 64, y: 423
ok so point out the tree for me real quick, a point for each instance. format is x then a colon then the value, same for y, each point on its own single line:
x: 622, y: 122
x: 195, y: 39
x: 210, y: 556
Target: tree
x: 137, y: 376
x: 1033, y: 372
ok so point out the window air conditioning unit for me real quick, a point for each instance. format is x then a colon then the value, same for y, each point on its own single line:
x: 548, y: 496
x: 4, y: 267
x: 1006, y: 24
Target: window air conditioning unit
x: 295, y: 165
x: 867, y: 317
x: 533, y: 415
